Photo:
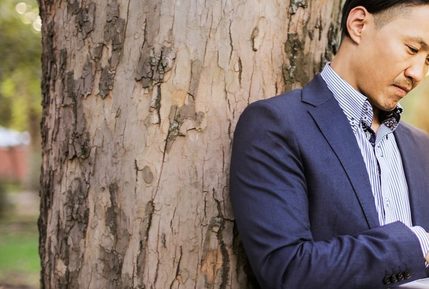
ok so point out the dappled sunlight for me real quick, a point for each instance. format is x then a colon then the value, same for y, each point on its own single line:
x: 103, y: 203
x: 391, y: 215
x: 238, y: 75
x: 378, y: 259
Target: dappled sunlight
x: 29, y: 15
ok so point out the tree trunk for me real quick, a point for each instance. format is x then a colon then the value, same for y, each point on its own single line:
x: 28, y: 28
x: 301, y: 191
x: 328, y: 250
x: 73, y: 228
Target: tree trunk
x: 140, y: 103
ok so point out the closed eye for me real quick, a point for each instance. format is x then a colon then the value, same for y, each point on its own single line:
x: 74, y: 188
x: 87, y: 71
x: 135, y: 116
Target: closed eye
x: 412, y: 49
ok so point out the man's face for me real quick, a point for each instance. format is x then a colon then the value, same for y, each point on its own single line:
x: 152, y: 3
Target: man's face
x: 394, y: 57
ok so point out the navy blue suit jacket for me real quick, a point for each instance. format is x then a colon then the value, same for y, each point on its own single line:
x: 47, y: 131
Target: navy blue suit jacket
x: 303, y: 203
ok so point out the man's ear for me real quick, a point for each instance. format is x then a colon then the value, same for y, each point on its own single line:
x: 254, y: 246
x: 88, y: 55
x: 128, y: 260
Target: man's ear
x: 357, y: 22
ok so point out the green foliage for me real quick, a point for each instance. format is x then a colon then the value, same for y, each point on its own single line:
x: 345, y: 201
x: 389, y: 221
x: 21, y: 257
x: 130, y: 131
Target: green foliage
x: 20, y: 72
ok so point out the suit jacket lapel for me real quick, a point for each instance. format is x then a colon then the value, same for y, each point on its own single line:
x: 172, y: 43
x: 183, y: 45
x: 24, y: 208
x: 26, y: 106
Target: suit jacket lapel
x: 335, y: 127
x: 417, y: 187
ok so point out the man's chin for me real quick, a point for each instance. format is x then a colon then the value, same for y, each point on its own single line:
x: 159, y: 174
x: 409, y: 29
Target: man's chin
x: 391, y: 103
x: 386, y: 107
x: 391, y: 108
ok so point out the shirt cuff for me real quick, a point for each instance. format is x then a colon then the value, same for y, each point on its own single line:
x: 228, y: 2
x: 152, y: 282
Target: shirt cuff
x: 423, y: 237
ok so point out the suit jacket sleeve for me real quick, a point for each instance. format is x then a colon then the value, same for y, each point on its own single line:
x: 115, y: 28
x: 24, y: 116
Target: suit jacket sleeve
x: 270, y: 200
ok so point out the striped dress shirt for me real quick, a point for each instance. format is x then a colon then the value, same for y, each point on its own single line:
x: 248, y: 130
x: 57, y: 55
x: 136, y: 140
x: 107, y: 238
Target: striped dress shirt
x: 380, y: 153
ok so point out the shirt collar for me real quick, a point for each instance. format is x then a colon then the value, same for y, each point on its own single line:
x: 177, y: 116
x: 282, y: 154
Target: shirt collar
x: 355, y: 105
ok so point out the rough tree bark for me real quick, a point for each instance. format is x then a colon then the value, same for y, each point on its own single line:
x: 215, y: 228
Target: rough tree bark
x: 140, y: 103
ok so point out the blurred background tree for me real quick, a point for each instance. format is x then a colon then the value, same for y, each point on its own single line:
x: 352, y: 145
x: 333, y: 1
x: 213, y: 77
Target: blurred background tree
x: 20, y: 74
x: 20, y: 110
x: 416, y: 106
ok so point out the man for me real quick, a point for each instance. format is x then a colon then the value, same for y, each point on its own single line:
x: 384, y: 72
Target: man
x: 328, y: 188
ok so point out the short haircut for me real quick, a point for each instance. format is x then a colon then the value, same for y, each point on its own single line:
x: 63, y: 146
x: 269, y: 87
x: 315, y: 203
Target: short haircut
x: 374, y: 7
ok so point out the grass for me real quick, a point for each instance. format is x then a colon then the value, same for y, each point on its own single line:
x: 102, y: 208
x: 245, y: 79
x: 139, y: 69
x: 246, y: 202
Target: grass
x: 19, y: 259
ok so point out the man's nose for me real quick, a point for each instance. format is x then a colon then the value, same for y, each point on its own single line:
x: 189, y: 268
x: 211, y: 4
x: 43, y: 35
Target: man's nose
x: 417, y: 70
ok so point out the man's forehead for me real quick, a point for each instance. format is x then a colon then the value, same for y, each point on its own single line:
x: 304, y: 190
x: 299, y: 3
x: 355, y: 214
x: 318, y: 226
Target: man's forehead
x: 412, y: 22
x: 396, y: 12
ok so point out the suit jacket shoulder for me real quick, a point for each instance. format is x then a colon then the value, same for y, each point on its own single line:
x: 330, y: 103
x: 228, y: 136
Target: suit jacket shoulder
x: 418, y: 136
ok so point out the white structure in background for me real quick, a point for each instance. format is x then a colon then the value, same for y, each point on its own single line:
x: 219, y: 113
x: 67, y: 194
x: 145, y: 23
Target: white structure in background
x: 11, y: 138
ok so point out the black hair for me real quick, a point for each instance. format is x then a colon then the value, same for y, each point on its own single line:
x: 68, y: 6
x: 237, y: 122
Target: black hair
x: 374, y: 7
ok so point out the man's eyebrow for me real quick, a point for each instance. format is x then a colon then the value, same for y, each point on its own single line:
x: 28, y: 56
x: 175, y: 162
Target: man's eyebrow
x: 421, y: 42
